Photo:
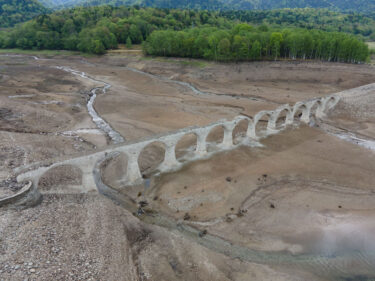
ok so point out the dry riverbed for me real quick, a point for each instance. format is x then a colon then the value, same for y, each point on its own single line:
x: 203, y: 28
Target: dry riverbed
x: 302, y: 196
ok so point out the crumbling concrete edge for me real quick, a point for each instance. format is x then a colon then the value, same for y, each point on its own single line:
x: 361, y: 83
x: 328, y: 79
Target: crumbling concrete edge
x: 28, y: 196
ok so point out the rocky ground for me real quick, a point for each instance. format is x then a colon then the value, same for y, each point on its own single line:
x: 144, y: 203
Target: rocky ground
x: 304, y: 192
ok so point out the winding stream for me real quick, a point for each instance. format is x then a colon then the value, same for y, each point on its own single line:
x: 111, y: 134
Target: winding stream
x: 349, y: 265
x: 351, y: 137
x: 99, y: 121
x: 196, y: 90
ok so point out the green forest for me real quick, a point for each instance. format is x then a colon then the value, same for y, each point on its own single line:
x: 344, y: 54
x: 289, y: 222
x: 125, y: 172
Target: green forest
x: 337, y: 5
x: 16, y: 11
x: 96, y: 29
x: 308, y: 18
x: 244, y: 42
x: 184, y: 33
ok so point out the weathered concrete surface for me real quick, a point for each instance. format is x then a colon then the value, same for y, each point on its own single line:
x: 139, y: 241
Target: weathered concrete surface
x: 314, y: 108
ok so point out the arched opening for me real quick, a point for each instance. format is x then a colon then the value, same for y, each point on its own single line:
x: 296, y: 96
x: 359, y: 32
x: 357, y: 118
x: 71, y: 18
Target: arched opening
x: 151, y: 157
x: 299, y: 113
x: 186, y: 147
x: 314, y: 110
x: 330, y: 103
x: 60, y: 177
x: 261, y: 125
x: 215, y: 137
x: 281, y: 121
x: 239, y: 132
x: 114, y: 170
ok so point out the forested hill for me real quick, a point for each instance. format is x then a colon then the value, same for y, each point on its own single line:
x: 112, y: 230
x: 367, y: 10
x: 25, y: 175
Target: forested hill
x: 322, y: 19
x: 15, y: 11
x: 183, y: 33
x: 338, y: 5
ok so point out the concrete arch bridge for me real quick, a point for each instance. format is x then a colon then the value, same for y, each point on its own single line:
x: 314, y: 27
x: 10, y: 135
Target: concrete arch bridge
x: 277, y: 120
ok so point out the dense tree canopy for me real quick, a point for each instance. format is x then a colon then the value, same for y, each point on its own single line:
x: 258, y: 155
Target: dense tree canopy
x: 338, y: 5
x: 15, y: 11
x: 185, y: 33
x: 243, y: 42
x: 322, y: 19
x: 96, y: 29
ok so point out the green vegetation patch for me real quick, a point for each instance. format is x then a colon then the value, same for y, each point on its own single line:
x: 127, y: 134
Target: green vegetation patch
x: 16, y: 11
x: 246, y: 43
x: 180, y: 33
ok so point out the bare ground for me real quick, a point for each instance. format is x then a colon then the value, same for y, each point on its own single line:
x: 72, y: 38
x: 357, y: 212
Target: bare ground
x: 282, y: 197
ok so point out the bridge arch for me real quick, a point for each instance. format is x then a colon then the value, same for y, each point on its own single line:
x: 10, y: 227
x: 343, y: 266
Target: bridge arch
x: 301, y: 113
x: 281, y: 118
x: 58, y: 175
x: 186, y: 146
x: 150, y: 157
x: 315, y: 107
x: 260, y: 126
x: 114, y: 172
x: 330, y: 102
x: 215, y: 137
x: 241, y: 129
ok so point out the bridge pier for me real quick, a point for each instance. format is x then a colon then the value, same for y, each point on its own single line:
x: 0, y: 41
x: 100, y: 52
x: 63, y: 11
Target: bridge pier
x: 228, y: 135
x: 201, y: 140
x: 170, y: 161
x: 133, y: 173
x: 132, y: 150
x: 88, y: 181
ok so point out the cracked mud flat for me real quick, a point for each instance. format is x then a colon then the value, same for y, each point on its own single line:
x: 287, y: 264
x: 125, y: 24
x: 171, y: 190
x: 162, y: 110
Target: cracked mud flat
x: 305, y: 193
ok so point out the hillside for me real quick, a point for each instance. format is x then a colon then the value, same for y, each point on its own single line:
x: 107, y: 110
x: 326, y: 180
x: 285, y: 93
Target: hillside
x: 341, y: 5
x: 15, y: 11
x: 338, y: 5
x: 309, y: 18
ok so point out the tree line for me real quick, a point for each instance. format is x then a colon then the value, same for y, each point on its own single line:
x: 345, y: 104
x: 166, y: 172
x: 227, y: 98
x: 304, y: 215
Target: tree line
x: 173, y: 32
x: 245, y: 43
x: 16, y: 11
x: 96, y: 29
x: 338, y: 5
x: 323, y: 19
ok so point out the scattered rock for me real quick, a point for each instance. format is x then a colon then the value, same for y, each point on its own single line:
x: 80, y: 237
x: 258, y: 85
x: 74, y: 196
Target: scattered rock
x: 187, y: 216
x: 143, y: 203
x: 272, y: 206
x: 202, y: 233
x: 140, y: 211
x: 240, y: 213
